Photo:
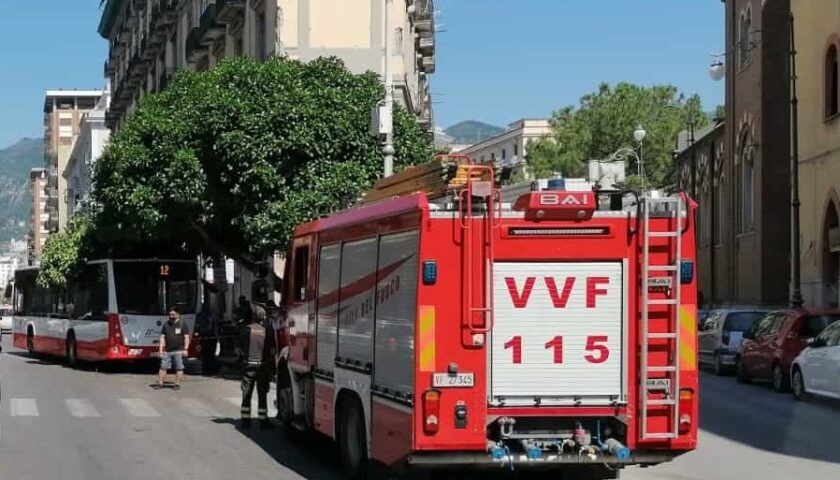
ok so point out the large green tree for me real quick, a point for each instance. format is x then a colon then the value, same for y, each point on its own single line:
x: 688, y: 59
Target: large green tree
x: 229, y: 160
x: 603, y: 123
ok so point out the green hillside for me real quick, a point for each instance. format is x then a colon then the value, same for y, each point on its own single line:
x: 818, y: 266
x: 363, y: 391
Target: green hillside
x: 15, y: 197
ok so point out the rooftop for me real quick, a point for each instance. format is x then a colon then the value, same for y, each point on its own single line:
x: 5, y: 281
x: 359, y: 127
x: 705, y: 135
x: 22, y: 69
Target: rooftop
x: 53, y: 95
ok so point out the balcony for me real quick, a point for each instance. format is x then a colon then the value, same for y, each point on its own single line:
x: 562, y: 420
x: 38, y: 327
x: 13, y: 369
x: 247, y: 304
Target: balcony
x: 229, y: 11
x: 204, y: 35
x: 108, y: 68
x: 426, y: 45
x: 164, y: 15
x: 427, y: 64
x: 424, y: 18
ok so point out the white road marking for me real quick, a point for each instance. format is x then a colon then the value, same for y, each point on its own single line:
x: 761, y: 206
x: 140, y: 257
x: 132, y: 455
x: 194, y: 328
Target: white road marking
x: 81, y: 408
x: 138, y: 407
x: 196, y: 407
x: 23, y: 407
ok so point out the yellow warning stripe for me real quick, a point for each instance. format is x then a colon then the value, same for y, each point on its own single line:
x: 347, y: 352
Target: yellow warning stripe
x: 688, y: 338
x: 426, y: 338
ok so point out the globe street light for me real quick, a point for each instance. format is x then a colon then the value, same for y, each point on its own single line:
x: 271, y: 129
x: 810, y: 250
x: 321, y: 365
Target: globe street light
x: 639, y: 134
x: 717, y: 70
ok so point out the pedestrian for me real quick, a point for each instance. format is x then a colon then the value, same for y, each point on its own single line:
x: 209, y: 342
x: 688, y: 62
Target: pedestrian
x: 257, y: 348
x: 174, y: 344
x: 244, y: 312
x: 205, y: 326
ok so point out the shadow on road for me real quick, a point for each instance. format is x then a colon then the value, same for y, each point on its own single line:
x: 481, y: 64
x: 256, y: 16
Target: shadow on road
x: 307, y: 455
x: 757, y: 416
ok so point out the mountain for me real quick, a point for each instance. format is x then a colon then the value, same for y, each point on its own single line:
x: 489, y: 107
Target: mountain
x: 471, y: 132
x: 15, y: 196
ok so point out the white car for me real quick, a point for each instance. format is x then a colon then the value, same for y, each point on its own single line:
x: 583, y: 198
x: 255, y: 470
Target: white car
x: 6, y: 319
x: 817, y: 369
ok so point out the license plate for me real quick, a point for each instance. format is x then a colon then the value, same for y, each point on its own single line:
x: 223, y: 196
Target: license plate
x: 459, y: 380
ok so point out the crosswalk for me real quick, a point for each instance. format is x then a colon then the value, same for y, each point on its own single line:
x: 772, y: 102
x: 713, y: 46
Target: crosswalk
x: 130, y: 407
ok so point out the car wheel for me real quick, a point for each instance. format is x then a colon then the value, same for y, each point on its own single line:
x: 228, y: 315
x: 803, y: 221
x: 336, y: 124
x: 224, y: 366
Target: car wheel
x: 741, y: 373
x: 353, y: 442
x: 798, y: 386
x: 780, y: 383
x: 71, y: 351
x: 718, y: 366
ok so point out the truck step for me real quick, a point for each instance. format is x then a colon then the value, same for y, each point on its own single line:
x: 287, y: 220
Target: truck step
x: 660, y: 336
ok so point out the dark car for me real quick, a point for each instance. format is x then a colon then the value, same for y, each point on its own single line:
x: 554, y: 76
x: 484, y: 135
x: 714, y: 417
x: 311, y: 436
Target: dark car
x: 770, y: 348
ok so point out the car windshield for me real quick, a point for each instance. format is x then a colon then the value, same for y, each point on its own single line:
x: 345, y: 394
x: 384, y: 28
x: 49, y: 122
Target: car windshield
x: 149, y: 288
x: 742, y: 321
x: 813, y: 325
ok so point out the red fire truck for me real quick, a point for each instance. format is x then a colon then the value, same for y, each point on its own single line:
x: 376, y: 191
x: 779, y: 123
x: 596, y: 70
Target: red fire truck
x: 552, y: 331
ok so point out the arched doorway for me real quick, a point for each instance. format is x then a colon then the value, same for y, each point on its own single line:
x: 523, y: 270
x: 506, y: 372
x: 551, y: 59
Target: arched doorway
x: 831, y: 256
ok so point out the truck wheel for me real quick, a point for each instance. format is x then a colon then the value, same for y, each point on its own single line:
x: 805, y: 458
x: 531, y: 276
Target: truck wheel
x: 780, y: 381
x: 352, y: 441
x: 71, y: 351
x: 285, y: 402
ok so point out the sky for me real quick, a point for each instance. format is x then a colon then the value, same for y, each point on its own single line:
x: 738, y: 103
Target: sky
x: 498, y: 60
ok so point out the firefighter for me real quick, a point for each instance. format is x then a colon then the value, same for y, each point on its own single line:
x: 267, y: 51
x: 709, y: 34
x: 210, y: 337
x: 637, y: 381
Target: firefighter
x: 257, y: 351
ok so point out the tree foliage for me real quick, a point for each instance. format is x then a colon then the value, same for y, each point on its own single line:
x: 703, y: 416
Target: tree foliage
x: 65, y: 253
x: 231, y: 159
x: 604, y: 122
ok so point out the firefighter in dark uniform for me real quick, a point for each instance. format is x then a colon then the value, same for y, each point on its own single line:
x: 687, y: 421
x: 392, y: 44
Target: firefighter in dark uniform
x: 258, y: 347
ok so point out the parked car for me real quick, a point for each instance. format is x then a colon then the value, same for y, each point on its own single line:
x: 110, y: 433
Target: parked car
x: 817, y: 369
x: 769, y: 350
x: 6, y: 314
x: 702, y: 315
x: 721, y: 336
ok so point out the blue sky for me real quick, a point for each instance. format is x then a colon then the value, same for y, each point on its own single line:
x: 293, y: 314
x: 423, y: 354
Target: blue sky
x: 496, y: 63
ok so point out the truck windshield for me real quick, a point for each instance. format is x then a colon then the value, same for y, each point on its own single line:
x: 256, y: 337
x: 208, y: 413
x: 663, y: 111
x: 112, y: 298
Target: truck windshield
x: 150, y: 288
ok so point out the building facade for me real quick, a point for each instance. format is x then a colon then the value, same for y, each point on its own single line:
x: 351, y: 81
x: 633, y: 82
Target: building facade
x: 40, y: 217
x: 509, y: 149
x: 88, y: 147
x: 8, y: 265
x: 817, y: 36
x: 151, y: 39
x: 739, y: 170
x: 63, y: 112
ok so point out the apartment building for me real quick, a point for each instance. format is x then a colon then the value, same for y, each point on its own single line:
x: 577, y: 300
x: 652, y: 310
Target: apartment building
x: 151, y: 39
x: 88, y: 147
x: 509, y: 149
x: 63, y: 112
x: 40, y: 218
x: 817, y: 44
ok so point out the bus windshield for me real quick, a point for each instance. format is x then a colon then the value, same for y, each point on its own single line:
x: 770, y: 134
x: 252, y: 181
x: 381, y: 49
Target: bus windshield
x: 149, y: 288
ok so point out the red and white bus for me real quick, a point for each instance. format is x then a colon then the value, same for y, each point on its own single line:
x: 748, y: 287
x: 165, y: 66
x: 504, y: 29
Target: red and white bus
x: 555, y: 331
x: 114, y: 311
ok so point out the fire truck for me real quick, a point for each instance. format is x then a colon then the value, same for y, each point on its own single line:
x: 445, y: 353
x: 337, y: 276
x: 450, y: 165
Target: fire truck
x: 550, y: 327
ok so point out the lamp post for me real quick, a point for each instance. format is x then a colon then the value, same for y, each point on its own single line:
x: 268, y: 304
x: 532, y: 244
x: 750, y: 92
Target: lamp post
x: 717, y: 71
x: 639, y: 135
x: 388, y: 150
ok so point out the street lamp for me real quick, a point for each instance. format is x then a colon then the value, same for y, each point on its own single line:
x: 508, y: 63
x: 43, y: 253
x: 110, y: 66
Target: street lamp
x: 639, y: 135
x: 717, y: 71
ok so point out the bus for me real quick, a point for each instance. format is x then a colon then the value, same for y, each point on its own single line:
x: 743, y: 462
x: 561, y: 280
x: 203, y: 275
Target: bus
x: 112, y: 311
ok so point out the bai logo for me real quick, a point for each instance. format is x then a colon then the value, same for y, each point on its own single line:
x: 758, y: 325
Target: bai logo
x: 569, y: 199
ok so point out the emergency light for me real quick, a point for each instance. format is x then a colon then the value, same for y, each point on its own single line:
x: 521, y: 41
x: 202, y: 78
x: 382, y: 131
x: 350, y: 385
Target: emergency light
x: 686, y: 271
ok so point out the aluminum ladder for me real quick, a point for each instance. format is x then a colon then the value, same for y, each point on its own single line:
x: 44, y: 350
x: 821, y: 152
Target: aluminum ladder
x: 670, y: 209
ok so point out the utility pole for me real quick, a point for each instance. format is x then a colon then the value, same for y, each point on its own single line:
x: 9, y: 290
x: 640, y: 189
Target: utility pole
x: 388, y: 149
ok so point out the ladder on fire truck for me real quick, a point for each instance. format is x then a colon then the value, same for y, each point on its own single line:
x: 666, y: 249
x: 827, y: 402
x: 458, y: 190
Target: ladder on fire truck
x: 672, y: 209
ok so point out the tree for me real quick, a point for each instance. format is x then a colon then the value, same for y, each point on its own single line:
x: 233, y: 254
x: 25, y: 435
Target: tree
x: 65, y: 253
x: 604, y: 123
x: 231, y: 159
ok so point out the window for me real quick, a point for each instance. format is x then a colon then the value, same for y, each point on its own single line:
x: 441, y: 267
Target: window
x: 301, y: 273
x: 720, y: 213
x: 832, y: 83
x: 260, y: 40
x: 815, y: 324
x: 329, y: 269
x: 830, y: 337
x: 515, y: 150
x: 747, y: 183
x: 504, y: 154
x: 742, y: 321
x: 765, y: 325
x: 150, y: 288
x: 744, y: 44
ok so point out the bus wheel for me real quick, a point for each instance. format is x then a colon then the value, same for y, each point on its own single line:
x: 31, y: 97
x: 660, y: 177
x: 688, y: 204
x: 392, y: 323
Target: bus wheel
x: 30, y: 341
x: 70, y: 350
x: 352, y: 441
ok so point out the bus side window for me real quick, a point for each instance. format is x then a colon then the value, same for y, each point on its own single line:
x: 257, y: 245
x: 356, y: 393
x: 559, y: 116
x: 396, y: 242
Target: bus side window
x: 301, y: 280
x: 96, y: 277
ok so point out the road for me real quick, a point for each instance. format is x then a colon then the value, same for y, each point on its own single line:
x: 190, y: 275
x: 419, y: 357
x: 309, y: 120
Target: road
x: 60, y: 423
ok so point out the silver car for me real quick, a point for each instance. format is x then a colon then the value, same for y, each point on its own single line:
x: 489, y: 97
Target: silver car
x: 722, y: 334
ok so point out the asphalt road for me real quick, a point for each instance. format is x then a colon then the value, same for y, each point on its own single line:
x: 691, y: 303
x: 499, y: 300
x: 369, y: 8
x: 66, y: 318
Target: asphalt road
x: 60, y: 423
